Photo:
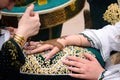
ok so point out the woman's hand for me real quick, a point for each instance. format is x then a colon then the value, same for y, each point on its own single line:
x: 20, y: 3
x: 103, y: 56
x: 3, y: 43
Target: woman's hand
x: 54, y: 45
x: 89, y: 68
x: 29, y: 24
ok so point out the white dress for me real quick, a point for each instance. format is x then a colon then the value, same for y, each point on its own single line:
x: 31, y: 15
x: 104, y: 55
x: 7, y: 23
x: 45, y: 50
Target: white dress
x: 107, y: 39
x: 5, y: 36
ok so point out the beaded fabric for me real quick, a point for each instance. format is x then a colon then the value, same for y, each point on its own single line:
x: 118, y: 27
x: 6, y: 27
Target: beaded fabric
x: 36, y: 64
x: 112, y: 14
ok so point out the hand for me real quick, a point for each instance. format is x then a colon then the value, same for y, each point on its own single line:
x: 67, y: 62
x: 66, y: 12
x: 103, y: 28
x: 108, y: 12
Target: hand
x: 12, y: 30
x: 84, y: 68
x: 54, y: 45
x: 29, y: 24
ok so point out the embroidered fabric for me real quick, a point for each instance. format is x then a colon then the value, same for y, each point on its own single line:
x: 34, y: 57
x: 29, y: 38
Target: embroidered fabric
x: 112, y: 14
x: 36, y: 64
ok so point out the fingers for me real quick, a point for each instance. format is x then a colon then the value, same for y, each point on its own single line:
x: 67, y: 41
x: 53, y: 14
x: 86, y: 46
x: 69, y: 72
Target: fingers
x: 77, y: 59
x: 90, y: 57
x: 76, y: 70
x: 36, y: 48
x: 11, y: 29
x: 35, y: 14
x: 52, y: 52
x: 29, y: 10
x: 40, y: 48
x: 44, y: 46
x: 72, y: 64
x: 30, y: 46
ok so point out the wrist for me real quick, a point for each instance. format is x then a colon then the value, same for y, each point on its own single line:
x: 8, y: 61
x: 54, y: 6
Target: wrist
x: 62, y: 40
x: 19, y: 39
x: 23, y: 34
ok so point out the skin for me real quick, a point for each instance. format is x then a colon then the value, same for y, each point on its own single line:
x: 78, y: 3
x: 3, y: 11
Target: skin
x: 7, y: 4
x: 88, y: 69
x: 29, y: 22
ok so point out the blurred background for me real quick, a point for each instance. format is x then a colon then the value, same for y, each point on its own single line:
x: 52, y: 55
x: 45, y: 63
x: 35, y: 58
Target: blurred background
x: 76, y: 24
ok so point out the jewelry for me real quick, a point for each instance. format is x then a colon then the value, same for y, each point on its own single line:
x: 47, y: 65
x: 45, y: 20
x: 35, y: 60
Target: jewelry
x: 19, y: 39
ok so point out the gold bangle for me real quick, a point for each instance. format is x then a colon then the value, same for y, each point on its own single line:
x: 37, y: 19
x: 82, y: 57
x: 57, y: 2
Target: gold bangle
x: 19, y: 39
x: 17, y: 35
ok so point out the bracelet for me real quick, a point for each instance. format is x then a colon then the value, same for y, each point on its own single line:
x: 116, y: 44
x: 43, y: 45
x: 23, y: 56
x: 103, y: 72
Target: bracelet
x: 102, y: 75
x: 19, y: 39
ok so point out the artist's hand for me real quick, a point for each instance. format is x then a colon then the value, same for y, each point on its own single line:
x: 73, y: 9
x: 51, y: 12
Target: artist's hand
x: 89, y: 68
x: 29, y: 24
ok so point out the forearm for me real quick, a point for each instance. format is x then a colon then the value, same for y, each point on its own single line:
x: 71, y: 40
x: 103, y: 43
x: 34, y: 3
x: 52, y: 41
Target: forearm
x: 78, y: 40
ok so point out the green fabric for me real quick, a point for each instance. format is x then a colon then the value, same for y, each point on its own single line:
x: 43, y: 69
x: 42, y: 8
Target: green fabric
x: 65, y: 77
x: 20, y: 57
x: 36, y: 63
x: 51, y: 4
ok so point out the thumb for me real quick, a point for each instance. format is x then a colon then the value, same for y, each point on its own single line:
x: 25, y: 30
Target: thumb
x: 90, y: 57
x: 29, y: 10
